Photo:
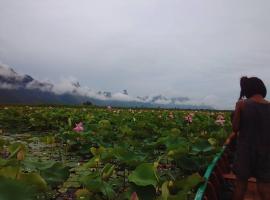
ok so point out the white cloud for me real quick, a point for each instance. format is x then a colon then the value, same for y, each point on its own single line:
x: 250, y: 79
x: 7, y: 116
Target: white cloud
x: 8, y: 72
x: 122, y: 97
x: 7, y: 86
x: 163, y: 101
x: 43, y: 86
x: 65, y: 85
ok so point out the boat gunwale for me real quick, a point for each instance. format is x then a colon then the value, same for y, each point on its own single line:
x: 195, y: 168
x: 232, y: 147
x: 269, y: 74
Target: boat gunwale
x: 201, y: 190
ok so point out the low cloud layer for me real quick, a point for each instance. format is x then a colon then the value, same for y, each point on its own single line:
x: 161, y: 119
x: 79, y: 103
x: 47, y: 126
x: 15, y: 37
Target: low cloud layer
x: 10, y: 79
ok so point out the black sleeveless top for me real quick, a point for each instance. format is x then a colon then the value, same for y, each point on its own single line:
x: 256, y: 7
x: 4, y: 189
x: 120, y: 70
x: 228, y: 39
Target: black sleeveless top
x: 252, y: 156
x: 255, y: 125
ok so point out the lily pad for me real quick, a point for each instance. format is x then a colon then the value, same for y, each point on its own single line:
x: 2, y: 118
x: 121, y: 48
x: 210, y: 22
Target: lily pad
x: 202, y: 145
x: 144, y: 175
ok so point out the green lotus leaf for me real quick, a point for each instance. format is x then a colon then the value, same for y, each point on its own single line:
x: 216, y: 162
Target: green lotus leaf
x: 202, y: 145
x: 92, y: 182
x: 179, y: 151
x: 104, y: 124
x: 56, y: 174
x: 97, y: 151
x: 104, y: 154
x: 125, y: 130
x: 175, y: 131
x: 128, y: 157
x: 13, y: 189
x: 107, y: 190
x: 181, y: 195
x: 188, y: 163
x: 144, y: 175
x: 9, y: 172
x: 91, y: 163
x: 33, y: 179
x: 35, y: 164
x: 3, y: 162
x: 189, y: 182
x: 173, y: 142
x: 2, y: 143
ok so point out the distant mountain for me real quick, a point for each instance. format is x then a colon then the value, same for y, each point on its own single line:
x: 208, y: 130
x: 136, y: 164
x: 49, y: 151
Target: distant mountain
x: 23, y: 89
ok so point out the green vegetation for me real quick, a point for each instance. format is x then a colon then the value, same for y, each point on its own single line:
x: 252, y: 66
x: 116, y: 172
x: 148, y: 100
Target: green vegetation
x: 94, y: 153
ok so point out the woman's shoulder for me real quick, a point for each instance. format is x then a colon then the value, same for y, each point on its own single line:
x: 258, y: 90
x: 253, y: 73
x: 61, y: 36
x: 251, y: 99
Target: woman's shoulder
x: 260, y: 102
x: 251, y: 106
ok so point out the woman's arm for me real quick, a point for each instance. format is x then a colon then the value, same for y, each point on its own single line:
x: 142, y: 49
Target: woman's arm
x: 232, y: 137
x: 236, y: 119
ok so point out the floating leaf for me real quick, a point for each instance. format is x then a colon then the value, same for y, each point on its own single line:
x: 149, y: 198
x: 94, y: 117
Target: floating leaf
x: 9, y: 172
x: 202, y: 145
x: 187, y: 163
x: 127, y: 157
x: 56, y: 174
x: 92, y: 182
x: 174, y: 142
x: 144, y: 175
x: 107, y: 190
x: 189, y: 182
x: 33, y: 179
x: 15, y: 190
x: 175, y: 131
x: 104, y: 124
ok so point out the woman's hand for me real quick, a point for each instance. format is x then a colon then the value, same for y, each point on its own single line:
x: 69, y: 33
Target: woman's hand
x: 227, y: 142
x: 232, y: 137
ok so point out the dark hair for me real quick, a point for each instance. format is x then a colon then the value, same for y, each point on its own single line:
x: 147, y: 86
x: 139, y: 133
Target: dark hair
x: 251, y: 86
x: 232, y: 116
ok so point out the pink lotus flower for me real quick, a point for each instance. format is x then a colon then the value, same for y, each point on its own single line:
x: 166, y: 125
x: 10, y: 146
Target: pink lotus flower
x: 189, y: 118
x: 79, y: 127
x: 134, y: 196
x: 171, y: 115
x: 220, y: 120
x: 220, y: 117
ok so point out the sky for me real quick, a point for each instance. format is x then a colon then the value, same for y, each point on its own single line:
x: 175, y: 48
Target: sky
x: 178, y: 48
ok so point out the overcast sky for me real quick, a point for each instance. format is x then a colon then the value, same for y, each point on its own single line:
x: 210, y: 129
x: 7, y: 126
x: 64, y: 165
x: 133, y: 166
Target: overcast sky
x: 193, y: 48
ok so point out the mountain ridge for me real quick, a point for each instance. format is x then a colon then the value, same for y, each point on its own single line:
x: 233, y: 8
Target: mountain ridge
x: 24, y: 89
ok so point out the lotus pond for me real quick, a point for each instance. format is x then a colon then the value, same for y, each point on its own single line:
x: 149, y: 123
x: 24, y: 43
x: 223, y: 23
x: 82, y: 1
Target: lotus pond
x: 106, y: 153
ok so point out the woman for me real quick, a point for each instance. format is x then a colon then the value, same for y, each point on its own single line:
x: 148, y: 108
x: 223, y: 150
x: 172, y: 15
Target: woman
x: 252, y: 121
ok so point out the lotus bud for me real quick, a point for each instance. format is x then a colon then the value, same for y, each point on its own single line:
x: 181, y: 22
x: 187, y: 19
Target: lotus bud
x: 82, y: 194
x: 156, y: 164
x: 170, y: 184
x: 20, y: 155
x: 134, y: 196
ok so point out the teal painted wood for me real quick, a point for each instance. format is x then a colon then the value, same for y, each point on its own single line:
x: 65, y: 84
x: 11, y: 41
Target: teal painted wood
x: 207, y: 174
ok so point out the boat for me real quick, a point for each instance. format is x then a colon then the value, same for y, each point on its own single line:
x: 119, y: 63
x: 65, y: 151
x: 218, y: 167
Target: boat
x: 219, y: 179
